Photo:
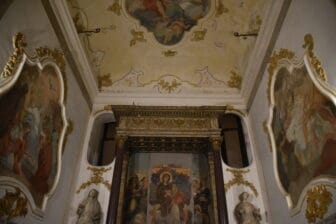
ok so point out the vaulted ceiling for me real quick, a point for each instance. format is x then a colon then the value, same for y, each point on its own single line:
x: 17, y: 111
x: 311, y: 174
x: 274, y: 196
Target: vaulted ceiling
x: 178, y: 52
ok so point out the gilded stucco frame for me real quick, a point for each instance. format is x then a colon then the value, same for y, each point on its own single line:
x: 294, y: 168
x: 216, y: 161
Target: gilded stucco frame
x: 286, y: 59
x: 42, y: 58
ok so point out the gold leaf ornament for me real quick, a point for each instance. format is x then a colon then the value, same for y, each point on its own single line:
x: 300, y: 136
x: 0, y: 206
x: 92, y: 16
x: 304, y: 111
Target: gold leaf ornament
x: 238, y: 179
x: 169, y: 87
x: 13, y: 204
x: 16, y: 57
x: 235, y: 80
x: 116, y: 8
x: 137, y: 36
x: 199, y: 35
x: 318, y: 201
x: 96, y: 178
x: 309, y: 46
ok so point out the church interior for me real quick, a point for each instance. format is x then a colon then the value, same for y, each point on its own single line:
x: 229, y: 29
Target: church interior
x: 167, y: 112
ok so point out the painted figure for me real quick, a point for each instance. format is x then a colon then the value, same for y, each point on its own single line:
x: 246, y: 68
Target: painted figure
x: 245, y: 212
x: 304, y: 124
x: 168, y: 19
x: 89, y: 210
x: 201, y: 201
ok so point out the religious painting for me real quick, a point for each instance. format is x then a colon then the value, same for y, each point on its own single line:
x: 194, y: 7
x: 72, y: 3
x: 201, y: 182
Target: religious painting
x: 168, y: 188
x: 304, y: 131
x: 32, y: 126
x: 168, y: 20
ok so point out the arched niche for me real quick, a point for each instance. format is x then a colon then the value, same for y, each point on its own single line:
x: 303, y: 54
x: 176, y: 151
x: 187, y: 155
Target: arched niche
x: 101, y: 147
x: 235, y: 148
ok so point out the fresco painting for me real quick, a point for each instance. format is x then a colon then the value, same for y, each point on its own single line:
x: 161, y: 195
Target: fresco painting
x: 168, y: 20
x: 304, y: 128
x: 30, y: 127
x: 172, y: 193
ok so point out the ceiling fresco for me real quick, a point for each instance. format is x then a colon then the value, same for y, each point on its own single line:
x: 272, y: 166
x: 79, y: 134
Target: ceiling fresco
x: 168, y: 46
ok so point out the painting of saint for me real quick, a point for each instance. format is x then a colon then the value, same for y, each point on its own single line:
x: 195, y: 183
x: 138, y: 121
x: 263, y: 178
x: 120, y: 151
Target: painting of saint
x: 30, y: 129
x: 164, y: 188
x: 168, y: 19
x: 170, y: 195
x: 304, y: 128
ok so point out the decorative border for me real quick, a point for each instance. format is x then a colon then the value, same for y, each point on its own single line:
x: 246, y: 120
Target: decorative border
x: 96, y: 178
x: 16, y: 58
x: 238, y: 179
x: 286, y: 59
x: 318, y: 202
x: 43, y: 56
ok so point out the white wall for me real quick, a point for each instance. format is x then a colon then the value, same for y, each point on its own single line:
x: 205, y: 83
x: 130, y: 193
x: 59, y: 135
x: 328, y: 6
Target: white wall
x: 29, y: 17
x: 304, y: 16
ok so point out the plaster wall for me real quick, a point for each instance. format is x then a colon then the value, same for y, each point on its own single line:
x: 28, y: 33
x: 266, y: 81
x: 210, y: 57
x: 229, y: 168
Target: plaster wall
x: 30, y: 18
x: 303, y: 16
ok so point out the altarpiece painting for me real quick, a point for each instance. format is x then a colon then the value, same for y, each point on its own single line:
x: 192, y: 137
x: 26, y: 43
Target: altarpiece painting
x: 168, y: 188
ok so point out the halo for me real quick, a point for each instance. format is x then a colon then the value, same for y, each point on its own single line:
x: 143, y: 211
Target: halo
x: 166, y: 173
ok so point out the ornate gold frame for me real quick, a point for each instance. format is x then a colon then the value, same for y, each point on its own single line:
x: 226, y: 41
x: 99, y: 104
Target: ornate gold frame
x: 286, y: 59
x: 43, y: 57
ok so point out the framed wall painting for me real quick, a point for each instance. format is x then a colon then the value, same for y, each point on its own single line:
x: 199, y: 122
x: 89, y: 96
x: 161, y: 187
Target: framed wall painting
x: 33, y: 125
x: 301, y: 126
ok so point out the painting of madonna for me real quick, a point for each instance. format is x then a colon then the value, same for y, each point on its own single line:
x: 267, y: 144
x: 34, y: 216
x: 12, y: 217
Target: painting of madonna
x: 30, y: 127
x: 304, y: 127
x: 168, y: 19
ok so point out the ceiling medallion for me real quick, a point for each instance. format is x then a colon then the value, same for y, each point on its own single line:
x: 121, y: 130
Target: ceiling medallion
x: 168, y: 20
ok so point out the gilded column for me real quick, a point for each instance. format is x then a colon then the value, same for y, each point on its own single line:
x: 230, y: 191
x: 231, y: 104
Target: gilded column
x: 115, y: 191
x: 220, y: 193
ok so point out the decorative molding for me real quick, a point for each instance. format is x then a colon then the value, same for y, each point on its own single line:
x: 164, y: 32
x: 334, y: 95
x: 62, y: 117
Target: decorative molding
x: 238, y: 179
x: 265, y: 129
x: 232, y: 108
x: 162, y: 111
x: 235, y: 80
x: 167, y: 84
x: 16, y: 58
x: 168, y: 87
x: 273, y: 64
x: 137, y: 36
x: 106, y: 108
x: 318, y: 202
x: 309, y: 46
x: 198, y: 35
x: 56, y: 54
x: 155, y: 123
x: 13, y: 204
x: 96, y: 178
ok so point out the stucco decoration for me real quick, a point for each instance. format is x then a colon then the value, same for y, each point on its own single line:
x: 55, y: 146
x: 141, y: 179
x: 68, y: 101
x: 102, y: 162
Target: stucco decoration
x: 301, y: 126
x: 33, y: 125
x: 89, y: 210
x: 161, y: 38
x: 245, y: 212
